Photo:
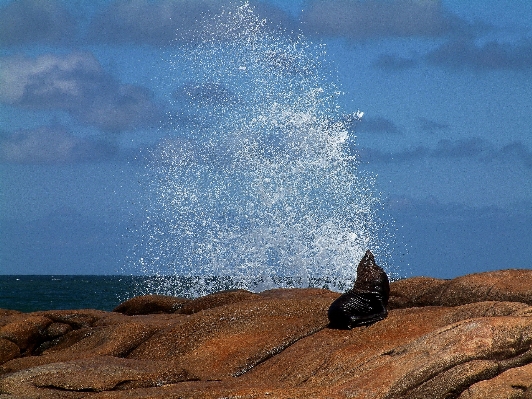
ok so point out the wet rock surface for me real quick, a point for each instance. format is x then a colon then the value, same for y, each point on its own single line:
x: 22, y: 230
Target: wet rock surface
x: 467, y: 338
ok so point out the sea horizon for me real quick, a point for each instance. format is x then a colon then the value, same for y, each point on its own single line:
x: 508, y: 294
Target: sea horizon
x: 39, y: 292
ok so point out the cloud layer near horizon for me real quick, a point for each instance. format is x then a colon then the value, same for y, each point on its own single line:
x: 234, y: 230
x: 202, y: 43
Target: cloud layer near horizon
x: 470, y: 148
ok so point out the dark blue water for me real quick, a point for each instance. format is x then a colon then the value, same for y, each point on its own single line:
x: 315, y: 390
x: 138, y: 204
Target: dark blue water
x: 32, y: 293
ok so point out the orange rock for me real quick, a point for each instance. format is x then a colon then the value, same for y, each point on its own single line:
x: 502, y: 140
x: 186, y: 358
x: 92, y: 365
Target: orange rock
x: 217, y: 299
x: 513, y: 383
x: 415, y: 291
x: 466, y: 338
x: 25, y: 330
x: 8, y: 350
x: 231, y: 339
x: 151, y: 304
x: 501, y: 285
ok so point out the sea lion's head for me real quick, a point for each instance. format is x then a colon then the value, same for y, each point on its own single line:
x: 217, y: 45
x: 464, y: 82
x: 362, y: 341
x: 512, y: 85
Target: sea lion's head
x: 372, y: 278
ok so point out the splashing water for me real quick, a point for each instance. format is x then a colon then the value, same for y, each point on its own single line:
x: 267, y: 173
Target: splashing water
x: 261, y: 190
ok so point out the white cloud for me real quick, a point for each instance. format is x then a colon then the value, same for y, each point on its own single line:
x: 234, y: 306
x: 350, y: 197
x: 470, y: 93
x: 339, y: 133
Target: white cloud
x: 75, y: 83
x: 42, y: 145
x: 19, y: 75
x: 51, y: 145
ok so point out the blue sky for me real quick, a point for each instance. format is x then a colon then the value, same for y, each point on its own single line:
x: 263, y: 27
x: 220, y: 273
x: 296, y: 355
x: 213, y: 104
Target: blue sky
x: 86, y: 91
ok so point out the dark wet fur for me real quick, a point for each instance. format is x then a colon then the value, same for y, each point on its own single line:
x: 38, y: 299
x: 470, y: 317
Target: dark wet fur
x: 366, y: 302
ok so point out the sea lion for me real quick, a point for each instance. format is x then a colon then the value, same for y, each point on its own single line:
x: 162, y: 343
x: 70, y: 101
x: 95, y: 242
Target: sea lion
x: 366, y: 302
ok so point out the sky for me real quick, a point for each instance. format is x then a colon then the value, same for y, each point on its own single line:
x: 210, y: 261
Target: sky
x: 445, y: 86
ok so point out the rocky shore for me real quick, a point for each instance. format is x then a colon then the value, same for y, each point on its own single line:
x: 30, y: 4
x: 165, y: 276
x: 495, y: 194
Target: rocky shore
x: 467, y: 338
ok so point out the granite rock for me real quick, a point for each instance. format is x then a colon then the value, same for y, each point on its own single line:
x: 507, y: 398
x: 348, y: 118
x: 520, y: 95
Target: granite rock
x: 466, y: 338
x: 502, y: 285
x: 150, y: 304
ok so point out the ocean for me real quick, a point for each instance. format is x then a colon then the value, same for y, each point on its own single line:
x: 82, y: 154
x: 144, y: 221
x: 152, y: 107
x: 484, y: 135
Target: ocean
x: 32, y: 293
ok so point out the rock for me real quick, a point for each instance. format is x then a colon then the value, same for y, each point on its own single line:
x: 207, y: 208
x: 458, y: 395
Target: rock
x: 513, y: 383
x: 83, y: 318
x: 82, y: 377
x: 8, y: 350
x: 26, y: 331
x: 332, y: 357
x: 108, y: 334
x: 216, y: 299
x: 7, y: 312
x: 298, y: 293
x: 500, y: 285
x: 150, y: 304
x: 415, y: 291
x: 467, y: 338
x: 229, y: 340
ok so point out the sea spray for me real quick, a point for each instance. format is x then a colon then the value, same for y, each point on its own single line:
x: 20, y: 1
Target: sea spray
x: 259, y: 190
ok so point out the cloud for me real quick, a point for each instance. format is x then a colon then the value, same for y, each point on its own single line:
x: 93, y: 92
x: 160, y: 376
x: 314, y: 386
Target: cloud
x: 471, y: 148
x: 359, y: 20
x: 391, y: 62
x: 50, y: 145
x: 205, y: 94
x: 141, y: 21
x: 377, y: 124
x: 466, y: 148
x: 491, y: 55
x: 166, y: 22
x: 31, y: 21
x: 433, y: 209
x: 429, y: 125
x: 373, y: 155
x: 75, y: 83
x: 516, y: 150
x: 153, y: 22
x: 465, y: 53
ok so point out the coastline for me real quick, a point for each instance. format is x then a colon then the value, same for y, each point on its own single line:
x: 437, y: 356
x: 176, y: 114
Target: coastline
x: 461, y: 337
